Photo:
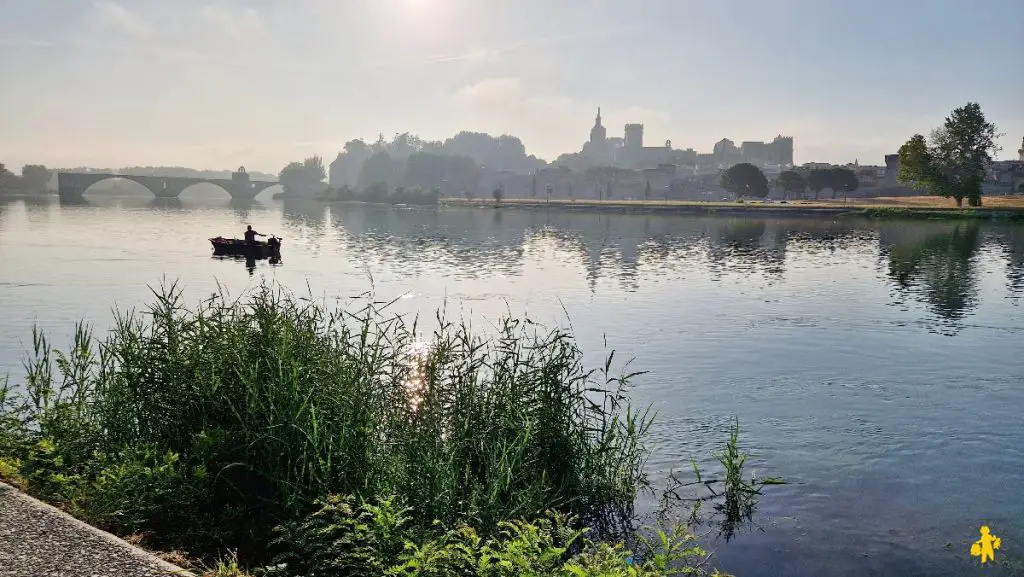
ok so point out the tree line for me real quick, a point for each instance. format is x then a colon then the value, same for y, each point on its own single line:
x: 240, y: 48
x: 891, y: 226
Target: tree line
x: 408, y: 168
x: 34, y: 179
x: 416, y: 179
x: 745, y: 179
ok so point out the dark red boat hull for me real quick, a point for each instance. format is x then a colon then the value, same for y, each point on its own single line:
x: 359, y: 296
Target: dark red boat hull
x: 234, y: 247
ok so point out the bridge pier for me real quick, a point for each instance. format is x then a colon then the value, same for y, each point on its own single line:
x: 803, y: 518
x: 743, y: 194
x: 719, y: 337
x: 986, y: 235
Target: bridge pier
x: 70, y: 192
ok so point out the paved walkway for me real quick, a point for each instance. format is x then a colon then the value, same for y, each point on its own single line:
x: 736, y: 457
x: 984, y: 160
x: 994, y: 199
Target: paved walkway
x: 37, y: 540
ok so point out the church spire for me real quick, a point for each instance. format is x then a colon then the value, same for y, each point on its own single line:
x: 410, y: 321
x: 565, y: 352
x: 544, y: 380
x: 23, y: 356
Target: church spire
x: 597, y: 122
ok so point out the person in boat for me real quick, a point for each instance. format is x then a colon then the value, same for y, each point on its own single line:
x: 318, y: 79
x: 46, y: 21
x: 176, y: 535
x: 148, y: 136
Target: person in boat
x: 250, y: 235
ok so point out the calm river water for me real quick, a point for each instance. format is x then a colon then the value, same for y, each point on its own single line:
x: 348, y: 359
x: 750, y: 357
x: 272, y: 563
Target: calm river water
x: 875, y: 365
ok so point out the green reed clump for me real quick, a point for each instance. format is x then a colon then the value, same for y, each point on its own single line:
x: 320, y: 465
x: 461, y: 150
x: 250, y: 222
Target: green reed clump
x: 917, y: 213
x: 207, y: 427
x: 733, y: 499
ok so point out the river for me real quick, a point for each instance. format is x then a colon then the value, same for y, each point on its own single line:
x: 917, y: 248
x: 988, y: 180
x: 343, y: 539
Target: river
x: 875, y: 365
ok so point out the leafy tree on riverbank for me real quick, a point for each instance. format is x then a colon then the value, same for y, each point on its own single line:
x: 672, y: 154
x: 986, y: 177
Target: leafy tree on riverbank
x: 842, y: 180
x: 952, y: 162
x: 8, y: 180
x: 793, y: 183
x: 314, y: 167
x: 819, y: 179
x: 745, y: 179
x: 35, y: 177
x: 301, y: 176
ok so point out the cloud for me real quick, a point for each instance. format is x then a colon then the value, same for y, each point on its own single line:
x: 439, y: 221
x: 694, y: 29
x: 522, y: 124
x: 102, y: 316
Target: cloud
x: 242, y: 24
x: 507, y: 90
x: 113, y: 15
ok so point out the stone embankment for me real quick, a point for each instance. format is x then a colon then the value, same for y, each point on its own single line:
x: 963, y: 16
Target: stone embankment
x: 38, y: 540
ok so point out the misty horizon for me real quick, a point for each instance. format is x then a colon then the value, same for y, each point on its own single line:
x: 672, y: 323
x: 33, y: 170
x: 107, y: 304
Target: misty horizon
x: 216, y: 85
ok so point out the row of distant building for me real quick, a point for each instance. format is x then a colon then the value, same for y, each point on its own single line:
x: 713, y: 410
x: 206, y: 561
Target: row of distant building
x: 614, y: 167
x: 629, y: 151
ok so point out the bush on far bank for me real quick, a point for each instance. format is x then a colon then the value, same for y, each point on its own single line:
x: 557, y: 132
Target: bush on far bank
x: 380, y: 193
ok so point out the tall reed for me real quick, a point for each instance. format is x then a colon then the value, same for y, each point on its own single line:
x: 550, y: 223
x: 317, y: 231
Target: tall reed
x: 208, y: 426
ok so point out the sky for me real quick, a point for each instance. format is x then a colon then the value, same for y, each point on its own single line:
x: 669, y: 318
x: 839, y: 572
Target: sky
x: 214, y: 84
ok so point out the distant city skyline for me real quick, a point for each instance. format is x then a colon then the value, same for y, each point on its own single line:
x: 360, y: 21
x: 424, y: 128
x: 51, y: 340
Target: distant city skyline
x: 217, y: 84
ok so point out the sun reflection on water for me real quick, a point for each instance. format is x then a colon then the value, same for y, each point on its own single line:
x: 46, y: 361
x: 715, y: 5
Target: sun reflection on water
x: 415, y: 384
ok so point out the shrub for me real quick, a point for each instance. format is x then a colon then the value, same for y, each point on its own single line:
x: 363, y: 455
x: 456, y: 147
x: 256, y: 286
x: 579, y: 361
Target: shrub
x: 342, y: 539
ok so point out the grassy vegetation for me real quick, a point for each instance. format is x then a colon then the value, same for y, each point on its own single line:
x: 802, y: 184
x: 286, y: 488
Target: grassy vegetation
x: 928, y: 214
x: 330, y: 442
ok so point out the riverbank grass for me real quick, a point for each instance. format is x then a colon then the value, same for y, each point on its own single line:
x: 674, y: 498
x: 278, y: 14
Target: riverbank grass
x: 926, y: 207
x: 334, y: 442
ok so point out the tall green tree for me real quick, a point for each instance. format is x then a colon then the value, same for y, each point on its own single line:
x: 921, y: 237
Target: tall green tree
x: 793, y: 182
x: 381, y: 167
x: 818, y: 180
x: 302, y: 175
x: 292, y: 177
x: 745, y: 179
x: 314, y: 169
x: 35, y: 177
x: 8, y: 180
x: 429, y: 170
x: 951, y: 163
x: 843, y: 180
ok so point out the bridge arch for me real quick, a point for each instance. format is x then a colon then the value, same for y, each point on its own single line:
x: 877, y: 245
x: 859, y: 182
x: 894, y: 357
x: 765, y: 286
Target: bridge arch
x: 268, y: 192
x: 74, y: 184
x: 119, y: 184
x: 192, y: 191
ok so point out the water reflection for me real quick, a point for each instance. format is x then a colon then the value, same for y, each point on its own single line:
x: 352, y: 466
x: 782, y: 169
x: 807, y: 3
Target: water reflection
x: 167, y: 204
x: 935, y: 263
x: 250, y: 261
x: 74, y: 201
x: 1011, y: 242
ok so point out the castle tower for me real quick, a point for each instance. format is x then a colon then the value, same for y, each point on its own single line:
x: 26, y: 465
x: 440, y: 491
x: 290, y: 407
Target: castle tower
x: 634, y: 134
x: 892, y: 169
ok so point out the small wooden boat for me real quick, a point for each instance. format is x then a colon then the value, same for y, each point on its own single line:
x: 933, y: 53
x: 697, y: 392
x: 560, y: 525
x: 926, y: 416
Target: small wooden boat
x: 257, y: 249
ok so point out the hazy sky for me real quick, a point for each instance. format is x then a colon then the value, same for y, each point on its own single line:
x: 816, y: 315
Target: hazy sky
x: 216, y: 84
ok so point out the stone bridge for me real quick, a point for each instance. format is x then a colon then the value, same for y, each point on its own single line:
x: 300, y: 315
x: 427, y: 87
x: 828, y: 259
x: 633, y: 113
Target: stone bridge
x: 71, y: 185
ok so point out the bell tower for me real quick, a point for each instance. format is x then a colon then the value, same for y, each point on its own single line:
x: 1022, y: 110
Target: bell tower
x: 598, y: 134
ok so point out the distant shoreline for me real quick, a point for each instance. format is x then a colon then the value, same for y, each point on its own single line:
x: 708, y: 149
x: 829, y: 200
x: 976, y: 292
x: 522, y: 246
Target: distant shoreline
x: 871, y: 208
